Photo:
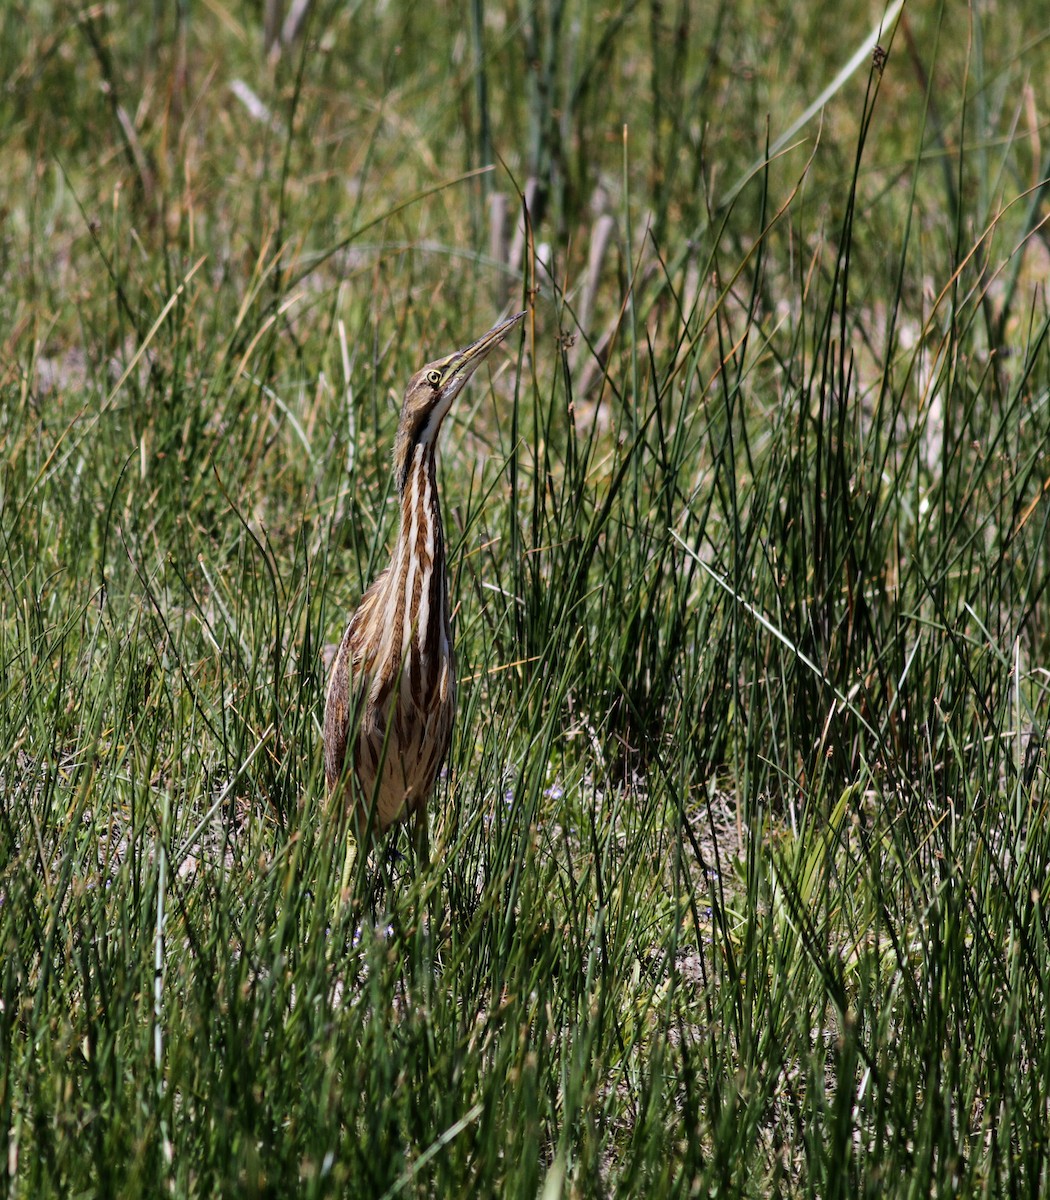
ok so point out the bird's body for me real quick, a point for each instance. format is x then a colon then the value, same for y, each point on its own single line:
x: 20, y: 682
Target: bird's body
x: 391, y: 693
x: 397, y: 650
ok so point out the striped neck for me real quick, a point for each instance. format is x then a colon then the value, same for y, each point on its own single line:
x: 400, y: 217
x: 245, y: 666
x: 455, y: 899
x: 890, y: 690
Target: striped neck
x: 420, y: 559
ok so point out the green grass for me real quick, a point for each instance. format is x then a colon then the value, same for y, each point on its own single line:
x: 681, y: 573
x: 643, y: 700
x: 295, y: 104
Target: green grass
x: 741, y: 852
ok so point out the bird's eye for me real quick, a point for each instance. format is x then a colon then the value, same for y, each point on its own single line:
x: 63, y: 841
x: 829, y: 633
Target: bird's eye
x: 433, y: 378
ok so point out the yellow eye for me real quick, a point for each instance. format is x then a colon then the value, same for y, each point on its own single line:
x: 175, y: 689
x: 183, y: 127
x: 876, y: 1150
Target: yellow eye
x: 433, y: 378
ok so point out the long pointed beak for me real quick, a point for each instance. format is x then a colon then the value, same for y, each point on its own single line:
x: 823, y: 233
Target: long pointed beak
x: 463, y: 363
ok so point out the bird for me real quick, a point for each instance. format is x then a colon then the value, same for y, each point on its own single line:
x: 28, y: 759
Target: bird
x: 390, y: 700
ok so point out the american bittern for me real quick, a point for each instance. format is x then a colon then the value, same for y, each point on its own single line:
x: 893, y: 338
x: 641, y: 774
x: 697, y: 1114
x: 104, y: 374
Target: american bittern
x: 394, y: 673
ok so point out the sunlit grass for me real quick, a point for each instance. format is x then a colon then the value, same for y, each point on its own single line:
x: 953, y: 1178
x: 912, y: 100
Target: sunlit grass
x: 741, y: 847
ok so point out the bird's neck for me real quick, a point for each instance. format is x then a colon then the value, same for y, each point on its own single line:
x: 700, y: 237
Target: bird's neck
x: 419, y: 559
x: 421, y: 524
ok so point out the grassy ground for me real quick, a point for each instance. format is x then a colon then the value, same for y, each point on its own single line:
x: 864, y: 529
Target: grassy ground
x: 740, y: 852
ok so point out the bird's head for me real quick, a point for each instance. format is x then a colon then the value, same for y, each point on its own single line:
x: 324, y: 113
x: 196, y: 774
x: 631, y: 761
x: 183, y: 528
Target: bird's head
x: 432, y: 389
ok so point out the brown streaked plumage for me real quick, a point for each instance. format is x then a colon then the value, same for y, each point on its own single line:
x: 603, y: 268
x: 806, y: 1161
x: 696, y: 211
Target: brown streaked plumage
x: 393, y: 672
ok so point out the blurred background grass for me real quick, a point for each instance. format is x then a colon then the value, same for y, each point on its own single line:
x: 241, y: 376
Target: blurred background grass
x: 742, y: 840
